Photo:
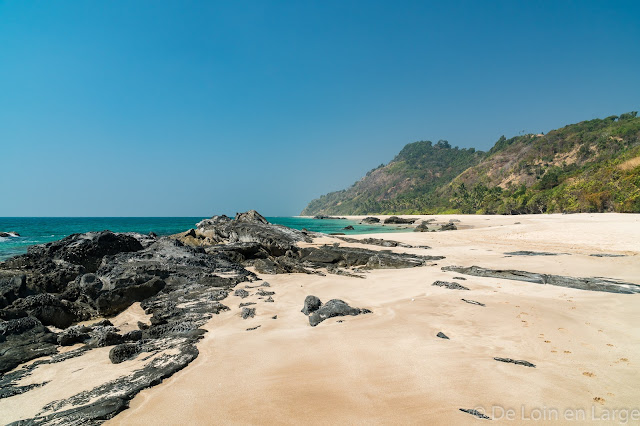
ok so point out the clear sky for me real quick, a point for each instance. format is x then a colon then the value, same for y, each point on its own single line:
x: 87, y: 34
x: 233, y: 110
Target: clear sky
x: 190, y: 108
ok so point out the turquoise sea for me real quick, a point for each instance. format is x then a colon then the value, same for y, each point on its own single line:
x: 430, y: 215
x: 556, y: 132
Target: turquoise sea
x: 39, y: 230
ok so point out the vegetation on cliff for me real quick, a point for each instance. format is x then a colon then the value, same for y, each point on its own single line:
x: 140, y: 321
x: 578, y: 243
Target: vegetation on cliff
x: 591, y: 166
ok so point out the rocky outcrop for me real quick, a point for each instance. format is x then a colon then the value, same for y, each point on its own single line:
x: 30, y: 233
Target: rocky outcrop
x: 179, y: 282
x: 448, y: 227
x: 449, y: 285
x: 22, y: 340
x: 475, y: 413
x: 311, y: 304
x: 357, y: 257
x: 180, y: 287
x: 318, y: 312
x: 395, y: 220
x: 516, y: 362
x: 423, y: 227
x: 473, y: 302
x: 532, y: 253
x: 379, y: 242
x: 9, y: 234
x: 371, y: 220
x: 592, y: 284
x: 321, y: 216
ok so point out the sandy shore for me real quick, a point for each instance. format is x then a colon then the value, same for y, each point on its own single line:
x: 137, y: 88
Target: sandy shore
x: 388, y: 367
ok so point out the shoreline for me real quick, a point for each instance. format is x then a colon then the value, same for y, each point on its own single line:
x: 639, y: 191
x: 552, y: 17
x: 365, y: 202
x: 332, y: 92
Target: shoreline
x: 388, y: 366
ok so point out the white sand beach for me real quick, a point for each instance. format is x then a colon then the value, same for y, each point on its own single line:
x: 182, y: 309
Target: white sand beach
x: 388, y: 367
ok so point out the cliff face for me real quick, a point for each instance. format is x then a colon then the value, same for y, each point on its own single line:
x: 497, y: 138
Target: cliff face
x: 591, y: 166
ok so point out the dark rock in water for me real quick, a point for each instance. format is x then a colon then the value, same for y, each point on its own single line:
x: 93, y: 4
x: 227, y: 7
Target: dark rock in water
x: 448, y: 227
x: 532, y: 253
x: 311, y: 304
x: 592, y: 284
x: 476, y: 413
x: 349, y: 228
x: 607, y: 255
x: 9, y: 234
x: 398, y: 220
x: 248, y: 313
x: 320, y: 216
x: 442, y: 335
x: 449, y: 285
x: 371, y: 220
x: 334, y: 308
x: 242, y: 293
x: 473, y: 302
x: 24, y: 339
x: 515, y: 361
x: 423, y: 227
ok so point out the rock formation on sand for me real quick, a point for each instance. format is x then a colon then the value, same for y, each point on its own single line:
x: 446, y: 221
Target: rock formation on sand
x: 592, y: 283
x: 179, y: 281
x: 317, y: 312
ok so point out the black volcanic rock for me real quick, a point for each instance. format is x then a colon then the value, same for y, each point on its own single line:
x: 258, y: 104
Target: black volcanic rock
x: 50, y: 310
x: 516, y: 362
x: 398, y: 220
x: 22, y: 340
x: 13, y: 286
x: 371, y: 220
x: 368, y: 259
x: 592, y: 284
x: 334, y: 308
x: 448, y: 227
x: 449, y: 285
x: 311, y: 304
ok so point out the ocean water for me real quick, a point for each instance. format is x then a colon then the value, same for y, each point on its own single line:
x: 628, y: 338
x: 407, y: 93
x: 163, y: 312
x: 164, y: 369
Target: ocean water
x: 39, y: 230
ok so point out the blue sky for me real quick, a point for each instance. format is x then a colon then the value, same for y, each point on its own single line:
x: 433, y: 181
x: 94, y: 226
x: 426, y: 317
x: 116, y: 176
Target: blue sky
x: 190, y: 108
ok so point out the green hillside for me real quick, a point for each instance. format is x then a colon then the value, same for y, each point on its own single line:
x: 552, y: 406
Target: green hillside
x: 591, y: 166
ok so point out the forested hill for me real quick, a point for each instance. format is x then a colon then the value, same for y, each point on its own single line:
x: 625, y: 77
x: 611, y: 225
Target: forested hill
x: 591, y: 166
